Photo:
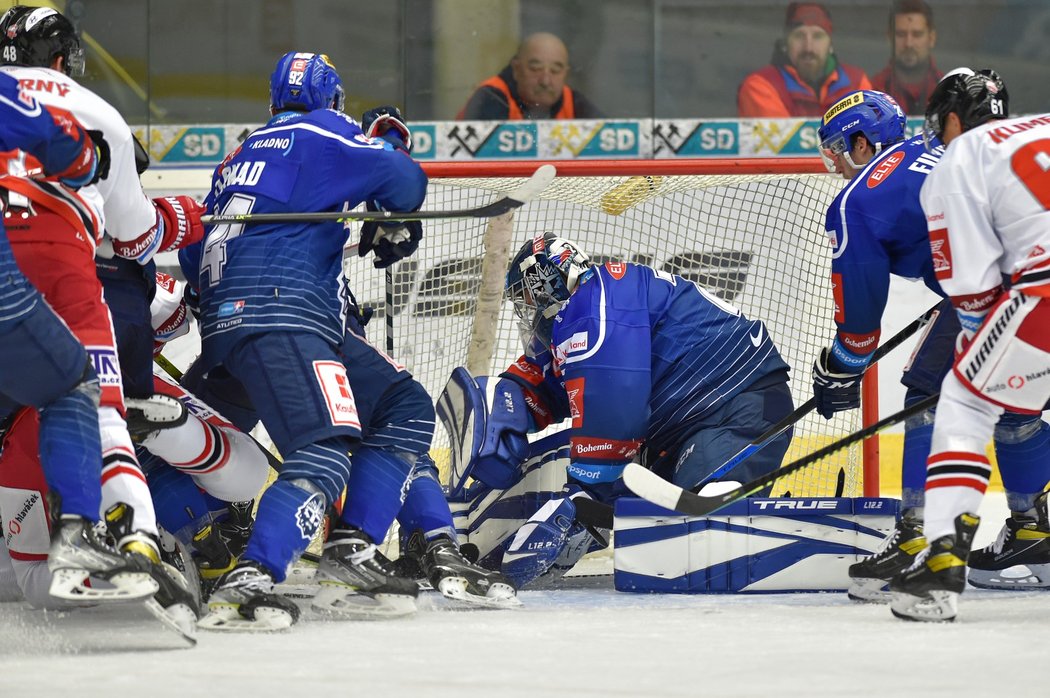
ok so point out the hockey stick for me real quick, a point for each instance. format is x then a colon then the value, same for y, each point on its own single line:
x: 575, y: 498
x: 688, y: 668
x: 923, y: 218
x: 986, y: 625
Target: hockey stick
x: 173, y: 371
x: 525, y: 193
x: 769, y: 435
x: 650, y: 486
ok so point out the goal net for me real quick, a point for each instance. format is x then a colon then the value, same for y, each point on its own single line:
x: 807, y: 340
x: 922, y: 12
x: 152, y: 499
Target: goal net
x: 750, y: 231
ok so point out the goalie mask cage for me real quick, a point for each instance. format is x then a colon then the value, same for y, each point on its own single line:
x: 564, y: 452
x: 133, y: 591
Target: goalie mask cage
x: 749, y: 230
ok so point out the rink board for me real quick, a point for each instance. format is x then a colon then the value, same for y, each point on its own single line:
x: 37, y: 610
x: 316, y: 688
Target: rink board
x: 755, y: 545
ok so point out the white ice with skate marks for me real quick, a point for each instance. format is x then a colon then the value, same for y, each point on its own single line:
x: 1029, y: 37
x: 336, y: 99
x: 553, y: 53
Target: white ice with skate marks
x: 590, y: 641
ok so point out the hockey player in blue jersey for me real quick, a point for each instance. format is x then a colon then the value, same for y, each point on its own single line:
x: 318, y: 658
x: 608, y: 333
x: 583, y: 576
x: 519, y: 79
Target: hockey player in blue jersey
x: 272, y: 309
x: 877, y: 228
x: 43, y: 365
x: 648, y: 365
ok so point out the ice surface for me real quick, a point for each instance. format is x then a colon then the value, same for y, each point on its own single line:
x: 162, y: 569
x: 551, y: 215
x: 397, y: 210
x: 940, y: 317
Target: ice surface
x: 585, y: 641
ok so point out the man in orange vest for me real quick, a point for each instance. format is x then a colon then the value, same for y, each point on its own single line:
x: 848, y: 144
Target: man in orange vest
x: 805, y: 77
x: 532, y: 86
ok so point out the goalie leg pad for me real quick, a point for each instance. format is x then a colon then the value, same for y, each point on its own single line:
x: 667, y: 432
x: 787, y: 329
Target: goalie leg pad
x: 540, y: 543
x: 486, y: 419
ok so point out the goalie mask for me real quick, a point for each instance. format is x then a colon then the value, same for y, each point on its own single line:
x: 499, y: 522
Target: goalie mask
x: 540, y: 280
x: 975, y: 96
x: 305, y: 82
x: 874, y: 115
x: 35, y: 36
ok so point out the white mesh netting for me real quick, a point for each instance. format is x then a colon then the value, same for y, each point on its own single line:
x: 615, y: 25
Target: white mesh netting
x: 756, y: 240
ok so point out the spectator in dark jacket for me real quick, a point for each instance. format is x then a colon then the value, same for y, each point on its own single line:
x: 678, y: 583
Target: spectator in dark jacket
x: 911, y: 74
x: 805, y: 77
x: 532, y: 86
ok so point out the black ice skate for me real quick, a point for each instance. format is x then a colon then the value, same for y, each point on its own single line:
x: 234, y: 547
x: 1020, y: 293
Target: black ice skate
x: 1020, y: 557
x: 450, y: 573
x: 869, y: 578
x: 236, y: 528
x: 177, y: 601
x: 78, y: 552
x: 244, y: 601
x: 358, y: 582
x: 929, y: 589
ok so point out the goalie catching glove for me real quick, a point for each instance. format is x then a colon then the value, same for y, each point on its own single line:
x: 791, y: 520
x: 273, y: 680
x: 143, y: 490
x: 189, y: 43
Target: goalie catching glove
x: 834, y: 388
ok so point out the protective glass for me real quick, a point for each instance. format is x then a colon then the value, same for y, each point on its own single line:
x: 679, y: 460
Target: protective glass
x: 75, y: 62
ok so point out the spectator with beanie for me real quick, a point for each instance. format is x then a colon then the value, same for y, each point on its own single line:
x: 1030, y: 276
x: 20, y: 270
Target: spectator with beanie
x: 805, y: 77
x: 911, y: 74
x: 531, y: 86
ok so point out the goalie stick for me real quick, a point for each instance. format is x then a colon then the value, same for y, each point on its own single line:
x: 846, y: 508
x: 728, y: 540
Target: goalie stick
x: 650, y: 486
x: 769, y: 435
x: 517, y: 198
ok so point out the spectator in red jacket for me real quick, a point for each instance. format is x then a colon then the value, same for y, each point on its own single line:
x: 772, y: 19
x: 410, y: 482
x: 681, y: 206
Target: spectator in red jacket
x: 805, y: 77
x: 911, y: 74
x: 532, y: 86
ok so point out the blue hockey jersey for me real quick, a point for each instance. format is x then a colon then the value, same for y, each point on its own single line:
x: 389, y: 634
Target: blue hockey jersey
x: 876, y: 228
x: 263, y: 277
x: 638, y: 356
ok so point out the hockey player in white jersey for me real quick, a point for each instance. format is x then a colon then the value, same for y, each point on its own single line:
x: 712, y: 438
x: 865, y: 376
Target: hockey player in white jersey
x: 39, y: 47
x: 986, y: 210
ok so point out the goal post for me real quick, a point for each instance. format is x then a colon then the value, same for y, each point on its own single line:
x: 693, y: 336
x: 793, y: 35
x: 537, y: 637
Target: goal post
x: 749, y: 230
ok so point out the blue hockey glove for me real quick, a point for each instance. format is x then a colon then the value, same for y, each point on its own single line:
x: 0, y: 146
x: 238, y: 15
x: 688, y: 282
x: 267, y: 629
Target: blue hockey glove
x: 834, y: 389
x: 101, y: 169
x: 387, y: 123
x: 390, y: 242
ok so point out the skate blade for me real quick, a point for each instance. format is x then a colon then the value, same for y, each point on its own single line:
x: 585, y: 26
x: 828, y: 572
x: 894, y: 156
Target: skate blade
x: 939, y: 607
x: 341, y: 602
x: 869, y: 591
x: 177, y: 617
x: 1016, y: 578
x: 498, y: 596
x: 226, y: 618
x: 69, y: 584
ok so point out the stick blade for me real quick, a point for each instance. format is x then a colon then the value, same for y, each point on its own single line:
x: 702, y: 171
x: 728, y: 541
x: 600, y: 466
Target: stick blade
x: 651, y: 487
x: 534, y: 185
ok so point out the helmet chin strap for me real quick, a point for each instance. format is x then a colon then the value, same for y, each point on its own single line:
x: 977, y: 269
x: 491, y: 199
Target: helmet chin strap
x: 849, y: 158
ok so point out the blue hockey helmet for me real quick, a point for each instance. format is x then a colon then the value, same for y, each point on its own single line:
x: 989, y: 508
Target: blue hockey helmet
x: 542, y: 276
x: 305, y: 82
x: 875, y: 115
x: 975, y: 96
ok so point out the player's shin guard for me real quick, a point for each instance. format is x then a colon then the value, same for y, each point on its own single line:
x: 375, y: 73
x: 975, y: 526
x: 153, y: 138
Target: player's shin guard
x: 1022, y: 449
x: 425, y: 508
x: 71, y: 450
x: 289, y: 515
x: 376, y: 489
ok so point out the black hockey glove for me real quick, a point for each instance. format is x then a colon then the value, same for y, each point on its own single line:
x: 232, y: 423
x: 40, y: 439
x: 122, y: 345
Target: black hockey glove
x: 834, y: 389
x: 101, y: 154
x: 389, y: 242
x: 387, y: 123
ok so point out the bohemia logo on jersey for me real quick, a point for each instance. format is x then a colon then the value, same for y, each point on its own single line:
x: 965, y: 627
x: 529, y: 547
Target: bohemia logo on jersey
x: 941, y: 250
x: 884, y: 169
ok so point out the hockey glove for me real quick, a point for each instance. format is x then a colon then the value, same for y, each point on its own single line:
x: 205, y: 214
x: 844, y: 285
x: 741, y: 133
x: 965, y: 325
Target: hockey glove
x: 388, y: 124
x: 390, y: 242
x: 833, y: 389
x: 101, y: 155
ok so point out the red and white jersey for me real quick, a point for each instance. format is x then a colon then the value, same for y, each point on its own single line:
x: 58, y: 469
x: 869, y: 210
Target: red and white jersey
x: 986, y: 204
x: 122, y: 206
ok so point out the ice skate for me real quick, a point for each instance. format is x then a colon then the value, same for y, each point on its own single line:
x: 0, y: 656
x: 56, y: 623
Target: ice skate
x: 1019, y: 558
x: 244, y: 601
x: 211, y: 557
x: 450, y: 573
x: 929, y: 589
x: 236, y: 528
x: 147, y: 416
x: 869, y: 578
x: 78, y: 552
x: 176, y: 603
x: 357, y: 582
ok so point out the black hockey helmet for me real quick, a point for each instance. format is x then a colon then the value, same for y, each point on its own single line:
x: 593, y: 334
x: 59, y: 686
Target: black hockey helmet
x: 33, y: 36
x: 975, y: 96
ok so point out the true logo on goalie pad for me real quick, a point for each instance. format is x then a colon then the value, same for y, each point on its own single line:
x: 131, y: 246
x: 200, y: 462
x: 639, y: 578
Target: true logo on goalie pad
x: 339, y: 398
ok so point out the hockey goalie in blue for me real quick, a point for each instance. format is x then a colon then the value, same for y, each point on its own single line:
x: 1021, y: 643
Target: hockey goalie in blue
x: 648, y: 365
